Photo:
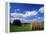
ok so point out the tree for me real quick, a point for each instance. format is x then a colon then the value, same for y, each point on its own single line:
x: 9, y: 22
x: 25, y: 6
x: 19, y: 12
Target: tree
x: 17, y: 22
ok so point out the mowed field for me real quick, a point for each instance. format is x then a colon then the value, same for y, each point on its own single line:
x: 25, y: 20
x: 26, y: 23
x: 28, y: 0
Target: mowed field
x: 24, y: 27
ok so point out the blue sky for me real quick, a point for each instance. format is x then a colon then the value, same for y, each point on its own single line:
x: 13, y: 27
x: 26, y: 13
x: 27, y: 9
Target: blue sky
x: 26, y: 12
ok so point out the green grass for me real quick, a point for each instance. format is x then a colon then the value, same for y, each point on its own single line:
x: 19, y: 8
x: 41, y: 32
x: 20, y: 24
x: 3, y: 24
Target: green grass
x: 24, y: 27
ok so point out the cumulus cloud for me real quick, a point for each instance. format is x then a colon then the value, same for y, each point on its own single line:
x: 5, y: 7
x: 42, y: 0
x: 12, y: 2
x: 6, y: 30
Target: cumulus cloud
x: 41, y: 10
x: 21, y: 16
x: 30, y: 13
x: 17, y: 15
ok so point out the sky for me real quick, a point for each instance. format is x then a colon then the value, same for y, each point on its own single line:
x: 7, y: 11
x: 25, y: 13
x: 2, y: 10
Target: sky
x: 26, y: 13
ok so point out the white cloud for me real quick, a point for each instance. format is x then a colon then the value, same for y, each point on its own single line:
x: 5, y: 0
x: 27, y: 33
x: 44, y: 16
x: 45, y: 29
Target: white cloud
x: 26, y: 21
x: 41, y: 10
x: 40, y: 18
x: 35, y: 19
x: 17, y: 15
x: 17, y: 10
x: 22, y: 16
x: 11, y: 20
x: 30, y: 13
x: 23, y: 20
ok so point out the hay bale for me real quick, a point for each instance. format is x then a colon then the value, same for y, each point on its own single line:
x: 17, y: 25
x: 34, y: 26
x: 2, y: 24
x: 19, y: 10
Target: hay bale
x: 35, y: 25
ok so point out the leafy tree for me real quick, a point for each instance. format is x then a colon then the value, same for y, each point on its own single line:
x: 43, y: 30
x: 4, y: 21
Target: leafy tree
x: 17, y: 22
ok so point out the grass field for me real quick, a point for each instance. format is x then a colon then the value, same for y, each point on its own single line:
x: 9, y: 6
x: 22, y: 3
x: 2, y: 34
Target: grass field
x: 24, y: 27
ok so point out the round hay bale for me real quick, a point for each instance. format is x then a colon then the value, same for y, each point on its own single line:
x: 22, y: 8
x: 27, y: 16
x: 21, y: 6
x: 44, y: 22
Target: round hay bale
x: 35, y: 25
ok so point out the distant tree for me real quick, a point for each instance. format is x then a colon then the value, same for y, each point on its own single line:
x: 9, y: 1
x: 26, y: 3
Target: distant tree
x: 17, y: 22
